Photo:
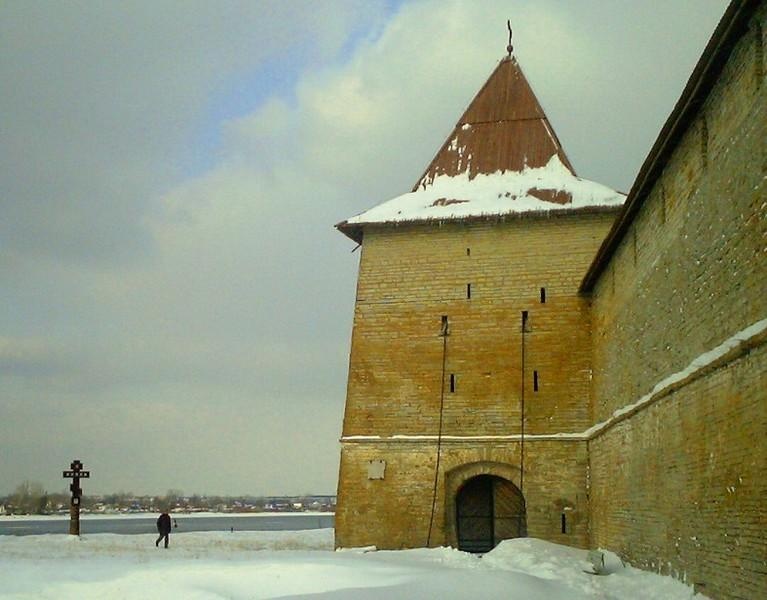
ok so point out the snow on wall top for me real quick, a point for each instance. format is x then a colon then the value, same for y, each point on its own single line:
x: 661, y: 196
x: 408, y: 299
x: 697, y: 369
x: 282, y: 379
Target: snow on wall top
x: 550, y: 187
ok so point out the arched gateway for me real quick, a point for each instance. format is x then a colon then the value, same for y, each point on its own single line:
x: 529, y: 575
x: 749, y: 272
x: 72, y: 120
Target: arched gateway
x: 488, y: 510
x: 483, y: 506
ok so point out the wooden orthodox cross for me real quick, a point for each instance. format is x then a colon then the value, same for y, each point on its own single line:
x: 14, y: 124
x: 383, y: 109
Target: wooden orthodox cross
x: 75, y: 474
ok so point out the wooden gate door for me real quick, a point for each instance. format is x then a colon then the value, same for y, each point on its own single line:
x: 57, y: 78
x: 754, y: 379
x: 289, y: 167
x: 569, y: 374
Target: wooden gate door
x: 488, y: 510
x: 474, y: 512
x: 508, y: 511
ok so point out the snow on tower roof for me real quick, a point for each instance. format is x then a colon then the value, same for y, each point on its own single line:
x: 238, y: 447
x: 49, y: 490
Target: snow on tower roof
x: 502, y: 158
x: 550, y: 187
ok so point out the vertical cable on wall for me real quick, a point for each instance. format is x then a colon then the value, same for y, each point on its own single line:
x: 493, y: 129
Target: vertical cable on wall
x: 759, y: 55
x: 443, y: 333
x: 522, y: 411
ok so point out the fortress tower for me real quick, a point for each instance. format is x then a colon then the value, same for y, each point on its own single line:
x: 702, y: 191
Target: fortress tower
x: 470, y: 366
x: 513, y: 374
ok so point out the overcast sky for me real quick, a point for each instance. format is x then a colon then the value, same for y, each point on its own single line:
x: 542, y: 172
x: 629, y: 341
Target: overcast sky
x: 176, y: 305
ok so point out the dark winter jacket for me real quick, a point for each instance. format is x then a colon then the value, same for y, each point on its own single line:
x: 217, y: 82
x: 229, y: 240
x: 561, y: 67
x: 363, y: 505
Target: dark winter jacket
x: 163, y: 523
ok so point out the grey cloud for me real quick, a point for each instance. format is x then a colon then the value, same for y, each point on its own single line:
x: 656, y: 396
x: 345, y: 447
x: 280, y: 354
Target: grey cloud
x: 100, y: 100
x: 192, y: 331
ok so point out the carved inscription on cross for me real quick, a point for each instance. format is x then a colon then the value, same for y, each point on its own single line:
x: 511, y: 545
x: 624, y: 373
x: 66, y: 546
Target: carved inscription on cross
x: 75, y: 474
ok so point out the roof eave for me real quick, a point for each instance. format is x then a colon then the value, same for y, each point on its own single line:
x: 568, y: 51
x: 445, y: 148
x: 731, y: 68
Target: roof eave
x: 351, y: 230
x: 354, y: 231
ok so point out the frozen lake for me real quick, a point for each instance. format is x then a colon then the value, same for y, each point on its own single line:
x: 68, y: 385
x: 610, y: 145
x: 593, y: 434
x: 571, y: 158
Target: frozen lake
x: 142, y: 524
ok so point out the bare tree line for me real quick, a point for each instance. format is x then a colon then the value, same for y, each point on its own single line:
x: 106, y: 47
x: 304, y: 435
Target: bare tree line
x: 31, y: 497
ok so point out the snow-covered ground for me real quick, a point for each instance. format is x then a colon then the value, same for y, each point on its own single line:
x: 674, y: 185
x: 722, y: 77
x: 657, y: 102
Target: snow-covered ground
x: 302, y: 564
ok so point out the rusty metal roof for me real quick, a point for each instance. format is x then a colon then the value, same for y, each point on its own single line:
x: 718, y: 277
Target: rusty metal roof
x: 503, y: 129
x: 504, y: 139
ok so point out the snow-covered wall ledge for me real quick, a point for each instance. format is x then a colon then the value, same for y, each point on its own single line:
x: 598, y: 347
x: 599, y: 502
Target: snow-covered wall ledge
x: 726, y: 352
x: 732, y: 348
x: 459, y: 439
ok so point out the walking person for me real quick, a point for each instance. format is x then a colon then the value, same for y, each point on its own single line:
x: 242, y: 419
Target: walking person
x: 163, y: 527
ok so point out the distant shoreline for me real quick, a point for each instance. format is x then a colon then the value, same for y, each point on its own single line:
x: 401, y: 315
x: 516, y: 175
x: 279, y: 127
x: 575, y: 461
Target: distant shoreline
x: 90, y: 516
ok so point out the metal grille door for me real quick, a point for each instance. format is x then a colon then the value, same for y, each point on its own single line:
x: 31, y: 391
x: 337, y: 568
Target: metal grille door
x: 488, y: 510
x: 508, y: 511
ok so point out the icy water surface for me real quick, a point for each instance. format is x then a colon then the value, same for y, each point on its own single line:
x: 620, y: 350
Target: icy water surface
x: 141, y: 525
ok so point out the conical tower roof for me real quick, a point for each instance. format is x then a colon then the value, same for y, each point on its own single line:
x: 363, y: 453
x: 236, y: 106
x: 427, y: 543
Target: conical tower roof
x: 503, y: 129
x: 502, y: 157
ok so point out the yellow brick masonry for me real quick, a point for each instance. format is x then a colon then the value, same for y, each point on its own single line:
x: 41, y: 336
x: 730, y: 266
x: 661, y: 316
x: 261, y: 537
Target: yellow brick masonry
x: 412, y: 275
x: 396, y: 512
x: 680, y: 487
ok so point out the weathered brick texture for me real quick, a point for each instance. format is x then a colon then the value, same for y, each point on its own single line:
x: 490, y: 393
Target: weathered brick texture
x: 409, y: 278
x: 680, y: 487
x: 396, y: 512
x: 692, y: 268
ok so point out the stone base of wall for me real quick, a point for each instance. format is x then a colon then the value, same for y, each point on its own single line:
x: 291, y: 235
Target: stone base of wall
x: 396, y: 511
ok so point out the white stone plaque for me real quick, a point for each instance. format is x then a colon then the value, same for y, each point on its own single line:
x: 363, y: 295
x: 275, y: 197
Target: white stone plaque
x: 376, y: 469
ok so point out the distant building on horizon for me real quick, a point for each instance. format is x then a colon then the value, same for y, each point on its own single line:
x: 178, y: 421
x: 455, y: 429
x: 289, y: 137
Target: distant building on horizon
x: 533, y: 356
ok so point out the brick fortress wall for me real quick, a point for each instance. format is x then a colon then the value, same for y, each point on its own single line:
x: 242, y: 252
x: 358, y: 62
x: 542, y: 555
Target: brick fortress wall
x: 680, y: 486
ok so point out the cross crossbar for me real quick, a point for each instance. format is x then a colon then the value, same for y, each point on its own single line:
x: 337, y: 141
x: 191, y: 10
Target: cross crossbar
x: 83, y: 474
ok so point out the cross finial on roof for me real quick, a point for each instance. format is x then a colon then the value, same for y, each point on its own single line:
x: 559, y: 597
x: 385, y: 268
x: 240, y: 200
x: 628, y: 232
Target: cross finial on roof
x: 509, y: 48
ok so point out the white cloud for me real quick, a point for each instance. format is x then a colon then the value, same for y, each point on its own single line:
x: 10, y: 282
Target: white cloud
x: 222, y: 349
